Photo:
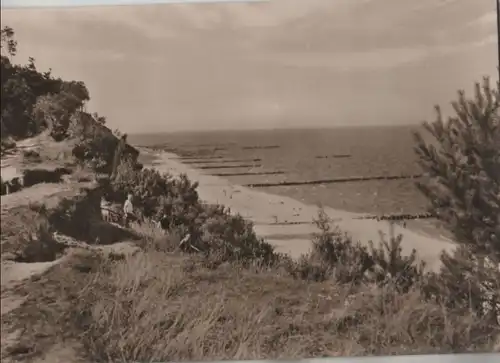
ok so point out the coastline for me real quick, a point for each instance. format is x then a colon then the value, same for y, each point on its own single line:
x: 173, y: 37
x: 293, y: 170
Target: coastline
x: 286, y: 223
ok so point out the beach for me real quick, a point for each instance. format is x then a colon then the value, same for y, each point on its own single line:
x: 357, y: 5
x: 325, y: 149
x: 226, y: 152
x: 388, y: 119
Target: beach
x: 286, y: 223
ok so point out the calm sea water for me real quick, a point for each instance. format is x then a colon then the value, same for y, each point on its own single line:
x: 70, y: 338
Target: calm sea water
x: 305, y: 155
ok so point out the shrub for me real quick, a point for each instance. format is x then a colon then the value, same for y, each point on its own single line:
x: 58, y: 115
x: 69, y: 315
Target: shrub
x: 155, y: 194
x: 336, y: 256
x: 390, y: 265
x: 96, y: 151
x: 464, y: 284
x: 37, y: 176
x: 229, y: 237
x: 210, y: 229
x: 36, y: 242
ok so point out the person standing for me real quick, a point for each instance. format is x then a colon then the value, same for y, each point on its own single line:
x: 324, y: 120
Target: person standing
x: 128, y: 211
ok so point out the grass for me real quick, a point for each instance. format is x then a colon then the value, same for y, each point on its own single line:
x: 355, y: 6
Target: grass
x: 163, y: 307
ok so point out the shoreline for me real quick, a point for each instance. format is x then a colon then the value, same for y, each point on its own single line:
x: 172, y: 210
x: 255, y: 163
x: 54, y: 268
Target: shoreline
x: 285, y: 222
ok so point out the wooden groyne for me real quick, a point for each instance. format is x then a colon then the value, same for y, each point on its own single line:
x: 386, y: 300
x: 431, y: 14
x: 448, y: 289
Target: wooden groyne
x: 336, y: 156
x: 251, y: 173
x: 333, y: 181
x: 399, y: 217
x: 221, y: 161
x: 383, y: 217
x: 286, y: 223
x: 230, y: 166
x: 260, y: 147
x: 193, y: 158
x: 227, y: 144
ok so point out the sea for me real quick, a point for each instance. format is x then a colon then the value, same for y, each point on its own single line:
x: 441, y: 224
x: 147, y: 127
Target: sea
x: 316, y: 162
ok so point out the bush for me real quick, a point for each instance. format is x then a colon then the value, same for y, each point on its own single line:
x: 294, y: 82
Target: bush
x: 464, y: 284
x: 37, y: 176
x: 336, y: 256
x: 228, y: 237
x: 389, y: 265
x: 209, y: 229
x: 96, y: 151
x: 36, y: 243
x: 155, y: 194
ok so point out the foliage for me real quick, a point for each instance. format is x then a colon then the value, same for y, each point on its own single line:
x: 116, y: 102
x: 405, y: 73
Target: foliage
x: 346, y: 260
x: 32, y: 101
x: 465, y: 284
x: 391, y: 265
x: 8, y: 43
x: 462, y: 168
x: 174, y: 201
x: 336, y: 256
x: 55, y: 111
x: 155, y: 194
x: 96, y: 145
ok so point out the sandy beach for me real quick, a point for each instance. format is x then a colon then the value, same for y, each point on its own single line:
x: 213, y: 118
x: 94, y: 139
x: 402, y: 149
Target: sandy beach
x: 287, y: 223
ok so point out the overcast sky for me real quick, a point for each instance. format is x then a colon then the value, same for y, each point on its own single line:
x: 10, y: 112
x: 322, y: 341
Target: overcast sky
x: 282, y: 63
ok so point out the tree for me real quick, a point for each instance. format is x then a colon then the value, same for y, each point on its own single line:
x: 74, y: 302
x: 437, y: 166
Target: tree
x: 8, y: 43
x: 463, y: 172
x: 21, y: 88
x: 462, y: 182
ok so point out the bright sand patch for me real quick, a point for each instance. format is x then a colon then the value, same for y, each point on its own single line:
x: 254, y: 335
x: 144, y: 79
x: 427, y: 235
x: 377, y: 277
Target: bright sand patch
x: 269, y: 212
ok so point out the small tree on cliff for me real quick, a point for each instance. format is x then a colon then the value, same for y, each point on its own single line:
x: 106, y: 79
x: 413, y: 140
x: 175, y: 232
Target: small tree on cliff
x: 462, y: 182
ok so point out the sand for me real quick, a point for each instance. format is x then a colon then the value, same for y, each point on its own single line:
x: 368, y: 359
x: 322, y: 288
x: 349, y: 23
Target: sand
x: 272, y: 214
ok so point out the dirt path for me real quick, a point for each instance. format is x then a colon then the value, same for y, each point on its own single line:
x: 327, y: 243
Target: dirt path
x: 277, y: 217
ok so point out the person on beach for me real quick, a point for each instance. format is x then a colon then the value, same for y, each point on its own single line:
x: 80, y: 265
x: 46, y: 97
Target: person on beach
x: 128, y: 211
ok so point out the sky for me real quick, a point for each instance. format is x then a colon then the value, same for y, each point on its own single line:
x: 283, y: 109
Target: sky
x: 268, y: 64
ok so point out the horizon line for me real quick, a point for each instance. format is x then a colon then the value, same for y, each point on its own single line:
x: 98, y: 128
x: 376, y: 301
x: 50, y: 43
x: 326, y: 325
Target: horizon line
x: 284, y: 128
